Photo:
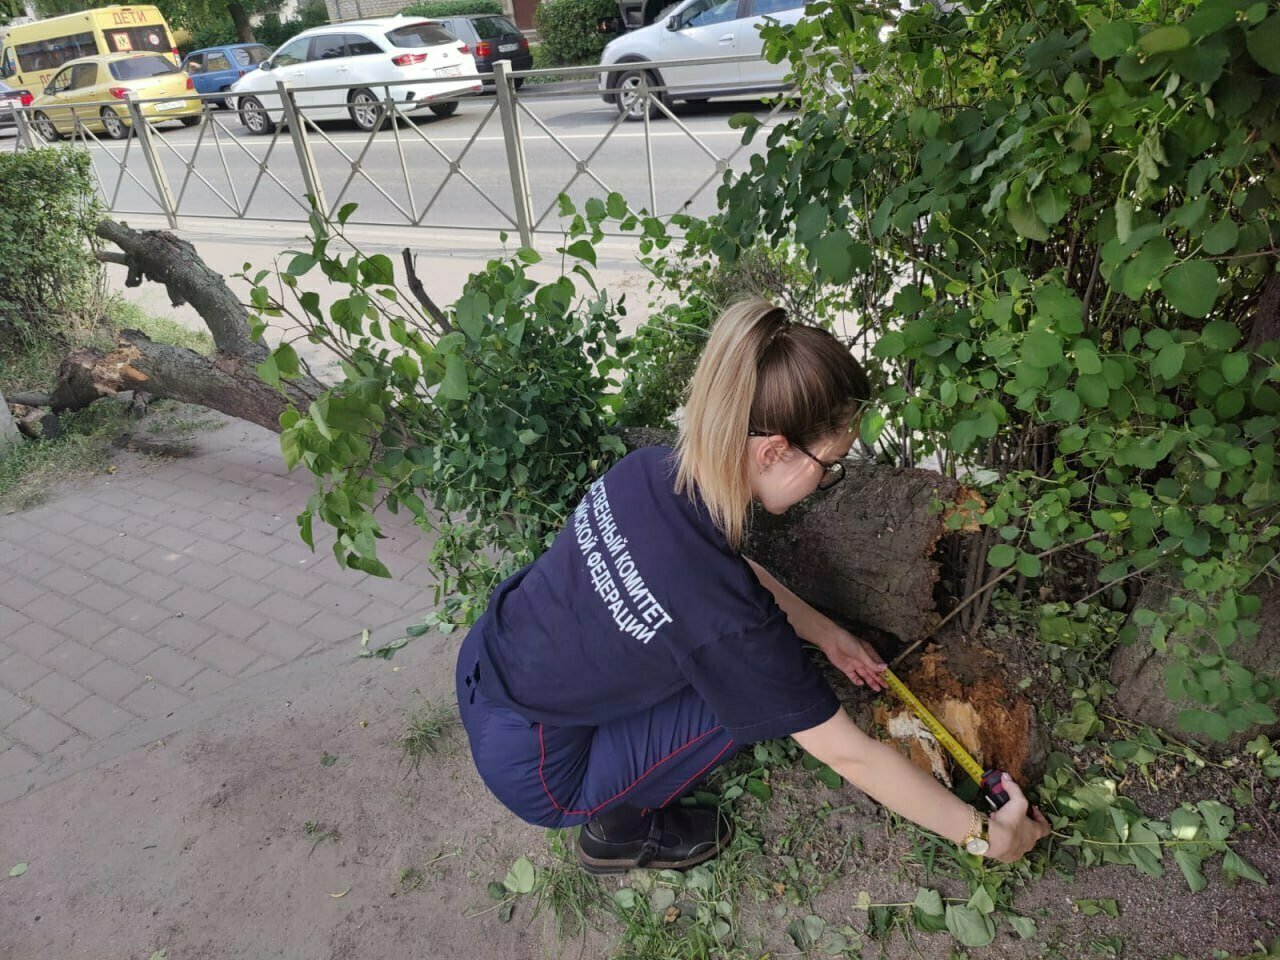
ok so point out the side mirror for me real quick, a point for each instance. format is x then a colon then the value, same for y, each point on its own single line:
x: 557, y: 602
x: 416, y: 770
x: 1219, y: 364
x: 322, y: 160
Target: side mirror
x: 671, y: 24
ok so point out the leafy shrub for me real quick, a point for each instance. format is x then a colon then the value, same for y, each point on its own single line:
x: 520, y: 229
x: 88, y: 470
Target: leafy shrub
x: 275, y: 32
x: 567, y: 28
x: 1061, y: 228
x: 452, y: 8
x: 47, y: 267
x: 486, y: 424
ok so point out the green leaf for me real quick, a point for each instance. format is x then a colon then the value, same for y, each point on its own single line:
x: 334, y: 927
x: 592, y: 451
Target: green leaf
x: 981, y: 901
x: 455, y: 385
x: 1029, y: 565
x: 759, y: 789
x: 928, y: 911
x: 1234, y: 865
x: 1093, y: 907
x: 300, y: 264
x: 969, y: 927
x: 1024, y: 927
x: 1111, y: 39
x: 1189, y: 862
x: 1221, y: 237
x: 583, y: 250
x: 1235, y: 367
x: 1001, y: 555
x: 520, y: 878
x: 286, y: 360
x: 616, y: 206
x: 1051, y: 203
x: 1042, y: 349
x: 1165, y: 39
x: 18, y: 869
x: 1168, y: 362
x: 1263, y: 43
x: 839, y: 256
x: 1192, y: 287
x: 527, y: 437
x: 1024, y: 219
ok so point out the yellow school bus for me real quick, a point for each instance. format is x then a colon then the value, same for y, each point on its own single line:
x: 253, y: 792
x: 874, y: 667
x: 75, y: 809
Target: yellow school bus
x: 32, y: 52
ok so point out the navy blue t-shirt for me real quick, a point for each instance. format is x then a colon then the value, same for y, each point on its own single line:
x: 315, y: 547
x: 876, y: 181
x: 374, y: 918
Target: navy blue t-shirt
x: 639, y: 597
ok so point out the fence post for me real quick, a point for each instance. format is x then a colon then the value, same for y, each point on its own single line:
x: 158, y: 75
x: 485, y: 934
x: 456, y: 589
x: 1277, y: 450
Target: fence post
x: 24, y: 129
x: 516, y: 166
x: 302, y: 147
x: 142, y: 130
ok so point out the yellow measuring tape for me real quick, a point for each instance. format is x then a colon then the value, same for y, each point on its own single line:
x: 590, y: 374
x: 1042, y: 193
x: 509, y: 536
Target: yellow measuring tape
x: 963, y: 757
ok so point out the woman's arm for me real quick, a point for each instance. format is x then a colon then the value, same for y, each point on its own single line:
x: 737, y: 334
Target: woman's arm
x: 890, y: 778
x: 853, y: 657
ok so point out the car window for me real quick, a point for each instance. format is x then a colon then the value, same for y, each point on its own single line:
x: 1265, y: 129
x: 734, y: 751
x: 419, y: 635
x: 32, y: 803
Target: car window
x: 332, y: 46
x: 139, y: 68
x: 83, y: 76
x: 217, y: 61
x: 764, y: 8
x: 291, y: 53
x: 494, y: 28
x: 61, y: 82
x: 706, y: 12
x: 247, y: 56
x: 358, y: 46
x: 421, y: 35
x: 195, y: 63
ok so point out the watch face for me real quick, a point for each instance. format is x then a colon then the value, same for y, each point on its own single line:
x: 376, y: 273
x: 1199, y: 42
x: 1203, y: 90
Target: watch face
x: 977, y: 846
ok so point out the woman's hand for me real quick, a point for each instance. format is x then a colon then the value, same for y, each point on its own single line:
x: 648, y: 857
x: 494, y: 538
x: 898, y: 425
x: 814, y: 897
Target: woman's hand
x: 1010, y: 832
x: 855, y: 658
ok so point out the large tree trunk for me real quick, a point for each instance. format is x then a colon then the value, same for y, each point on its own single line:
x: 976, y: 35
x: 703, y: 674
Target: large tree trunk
x: 1138, y: 669
x: 244, y: 29
x: 228, y: 381
x: 866, y: 551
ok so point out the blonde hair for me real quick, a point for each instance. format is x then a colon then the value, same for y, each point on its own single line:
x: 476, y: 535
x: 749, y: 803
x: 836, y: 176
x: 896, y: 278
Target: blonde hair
x: 759, y: 372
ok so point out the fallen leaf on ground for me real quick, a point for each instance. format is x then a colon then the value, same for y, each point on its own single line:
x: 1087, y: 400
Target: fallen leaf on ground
x: 18, y: 870
x: 342, y: 894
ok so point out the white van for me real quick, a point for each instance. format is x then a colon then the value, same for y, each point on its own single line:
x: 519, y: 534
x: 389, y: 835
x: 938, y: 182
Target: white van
x: 694, y: 30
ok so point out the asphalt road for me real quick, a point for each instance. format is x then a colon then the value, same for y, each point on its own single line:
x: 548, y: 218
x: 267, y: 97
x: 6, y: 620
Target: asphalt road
x: 402, y: 177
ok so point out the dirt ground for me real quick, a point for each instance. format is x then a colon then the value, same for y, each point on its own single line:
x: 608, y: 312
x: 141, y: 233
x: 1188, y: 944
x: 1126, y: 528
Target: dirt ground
x: 236, y: 838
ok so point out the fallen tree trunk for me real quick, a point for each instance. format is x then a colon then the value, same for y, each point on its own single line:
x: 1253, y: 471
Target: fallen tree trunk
x: 865, y: 552
x: 227, y: 381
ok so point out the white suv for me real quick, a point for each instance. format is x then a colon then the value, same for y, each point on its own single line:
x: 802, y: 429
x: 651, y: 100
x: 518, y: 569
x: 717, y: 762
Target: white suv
x: 697, y: 29
x: 362, y: 56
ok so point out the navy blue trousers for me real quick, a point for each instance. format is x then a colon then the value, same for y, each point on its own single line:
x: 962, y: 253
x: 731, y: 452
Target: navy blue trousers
x: 555, y: 776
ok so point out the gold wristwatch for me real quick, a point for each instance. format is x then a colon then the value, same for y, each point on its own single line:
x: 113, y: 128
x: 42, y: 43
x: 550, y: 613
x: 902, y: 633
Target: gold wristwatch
x: 975, y: 839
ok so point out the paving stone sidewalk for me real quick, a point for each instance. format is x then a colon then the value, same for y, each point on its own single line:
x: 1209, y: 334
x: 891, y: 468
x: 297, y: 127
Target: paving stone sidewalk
x: 137, y: 593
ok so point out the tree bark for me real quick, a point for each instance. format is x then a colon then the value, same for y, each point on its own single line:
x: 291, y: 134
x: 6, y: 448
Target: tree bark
x: 865, y: 552
x: 1138, y: 669
x: 244, y: 29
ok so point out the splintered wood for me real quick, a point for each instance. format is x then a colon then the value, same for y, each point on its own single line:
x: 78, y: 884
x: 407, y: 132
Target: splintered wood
x: 969, y: 693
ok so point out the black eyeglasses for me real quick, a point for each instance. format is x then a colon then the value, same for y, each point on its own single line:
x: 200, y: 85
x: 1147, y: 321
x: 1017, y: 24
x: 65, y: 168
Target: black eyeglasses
x: 832, y: 473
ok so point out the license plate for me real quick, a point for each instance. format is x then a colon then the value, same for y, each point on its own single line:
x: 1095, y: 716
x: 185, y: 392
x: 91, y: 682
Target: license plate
x: 508, y: 47
x: 171, y: 105
x: 454, y: 71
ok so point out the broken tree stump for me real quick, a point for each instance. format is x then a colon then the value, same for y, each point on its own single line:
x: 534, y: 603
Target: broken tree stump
x: 970, y: 693
x: 228, y: 381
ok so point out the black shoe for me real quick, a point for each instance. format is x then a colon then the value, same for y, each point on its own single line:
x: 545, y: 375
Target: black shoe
x: 672, y: 839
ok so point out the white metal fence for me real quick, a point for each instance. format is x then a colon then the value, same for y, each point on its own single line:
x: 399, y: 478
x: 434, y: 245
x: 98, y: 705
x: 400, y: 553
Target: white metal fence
x: 400, y: 172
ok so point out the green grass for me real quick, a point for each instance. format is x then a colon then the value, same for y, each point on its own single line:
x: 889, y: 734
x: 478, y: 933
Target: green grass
x: 31, y: 473
x: 426, y: 729
x: 129, y: 316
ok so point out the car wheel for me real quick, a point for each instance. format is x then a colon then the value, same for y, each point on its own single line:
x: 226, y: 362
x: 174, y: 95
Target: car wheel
x: 47, y: 130
x: 192, y: 121
x: 447, y: 109
x: 223, y: 102
x: 254, y: 116
x: 115, y: 128
x: 628, y: 100
x: 366, y: 110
